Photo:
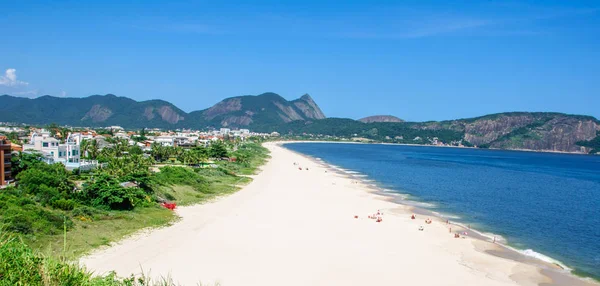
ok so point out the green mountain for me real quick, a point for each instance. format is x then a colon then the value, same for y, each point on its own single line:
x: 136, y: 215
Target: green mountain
x: 95, y: 110
x: 270, y: 112
x: 267, y: 109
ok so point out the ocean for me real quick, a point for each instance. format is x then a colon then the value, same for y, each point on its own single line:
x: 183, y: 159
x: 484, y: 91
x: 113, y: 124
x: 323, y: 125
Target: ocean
x: 545, y: 205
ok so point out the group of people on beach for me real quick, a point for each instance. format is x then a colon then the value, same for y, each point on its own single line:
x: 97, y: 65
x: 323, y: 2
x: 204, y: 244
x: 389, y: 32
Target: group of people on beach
x: 427, y: 221
x: 299, y: 167
x: 378, y: 217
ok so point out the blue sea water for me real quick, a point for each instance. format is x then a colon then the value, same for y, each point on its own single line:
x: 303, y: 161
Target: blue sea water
x: 545, y: 202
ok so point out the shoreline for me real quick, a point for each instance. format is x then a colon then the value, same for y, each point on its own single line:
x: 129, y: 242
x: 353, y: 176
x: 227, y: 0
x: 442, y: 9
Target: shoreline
x: 298, y: 227
x: 548, y: 266
x: 425, y: 145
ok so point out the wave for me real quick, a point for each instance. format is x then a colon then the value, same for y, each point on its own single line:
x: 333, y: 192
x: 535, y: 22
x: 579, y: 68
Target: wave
x: 359, y: 175
x: 421, y: 204
x: 446, y: 216
x: 542, y: 257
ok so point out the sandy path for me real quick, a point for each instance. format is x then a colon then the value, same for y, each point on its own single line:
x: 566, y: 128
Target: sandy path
x: 292, y: 227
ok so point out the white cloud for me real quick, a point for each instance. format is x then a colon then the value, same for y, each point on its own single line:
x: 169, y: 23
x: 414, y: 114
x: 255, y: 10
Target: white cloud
x: 10, y: 78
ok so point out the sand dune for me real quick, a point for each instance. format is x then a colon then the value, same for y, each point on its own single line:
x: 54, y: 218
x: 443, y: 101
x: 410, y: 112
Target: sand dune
x: 297, y: 227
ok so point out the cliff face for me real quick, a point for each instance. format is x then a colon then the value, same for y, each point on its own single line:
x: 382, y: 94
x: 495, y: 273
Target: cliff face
x: 533, y: 131
x: 487, y: 130
x: 309, y: 107
x: 225, y: 106
x: 558, y: 134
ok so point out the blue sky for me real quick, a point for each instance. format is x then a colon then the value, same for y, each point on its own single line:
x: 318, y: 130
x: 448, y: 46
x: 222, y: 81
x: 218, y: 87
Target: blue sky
x: 418, y: 60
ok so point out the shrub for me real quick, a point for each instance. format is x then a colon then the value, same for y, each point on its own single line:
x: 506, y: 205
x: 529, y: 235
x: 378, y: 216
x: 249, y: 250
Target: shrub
x: 46, y: 182
x: 15, y: 220
x: 63, y: 204
x: 85, y: 211
x: 181, y: 176
x: 105, y: 192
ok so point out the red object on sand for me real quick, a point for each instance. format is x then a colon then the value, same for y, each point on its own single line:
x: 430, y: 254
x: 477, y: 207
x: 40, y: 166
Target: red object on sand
x: 170, y: 206
x: 355, y: 216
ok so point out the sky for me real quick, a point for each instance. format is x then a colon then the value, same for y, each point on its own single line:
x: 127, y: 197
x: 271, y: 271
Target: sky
x: 417, y: 60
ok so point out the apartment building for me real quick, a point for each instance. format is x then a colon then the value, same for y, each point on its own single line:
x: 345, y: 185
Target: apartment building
x: 5, y: 165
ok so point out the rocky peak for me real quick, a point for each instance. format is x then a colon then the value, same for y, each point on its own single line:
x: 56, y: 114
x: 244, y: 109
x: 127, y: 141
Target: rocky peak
x: 309, y: 107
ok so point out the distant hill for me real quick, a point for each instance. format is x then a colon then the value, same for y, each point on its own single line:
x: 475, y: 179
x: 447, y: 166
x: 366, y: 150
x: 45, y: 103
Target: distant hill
x: 107, y: 110
x: 95, y: 110
x: 269, y: 112
x: 380, y: 118
x: 541, y: 131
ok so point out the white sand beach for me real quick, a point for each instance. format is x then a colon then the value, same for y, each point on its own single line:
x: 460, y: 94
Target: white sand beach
x: 297, y: 227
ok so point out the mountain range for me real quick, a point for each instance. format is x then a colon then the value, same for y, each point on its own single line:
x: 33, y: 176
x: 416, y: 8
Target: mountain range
x: 543, y: 131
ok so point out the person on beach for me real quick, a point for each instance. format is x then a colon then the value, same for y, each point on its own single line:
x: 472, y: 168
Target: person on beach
x: 413, y: 216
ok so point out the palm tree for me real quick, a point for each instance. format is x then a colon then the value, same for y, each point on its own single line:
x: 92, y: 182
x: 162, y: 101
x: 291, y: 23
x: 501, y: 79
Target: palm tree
x: 84, y: 148
x: 92, y: 149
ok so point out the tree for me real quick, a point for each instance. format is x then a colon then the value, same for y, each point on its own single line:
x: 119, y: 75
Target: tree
x: 217, y: 150
x: 24, y: 161
x: 158, y: 152
x: 242, y: 157
x: 106, y: 192
x: 46, y: 182
x: 135, y: 150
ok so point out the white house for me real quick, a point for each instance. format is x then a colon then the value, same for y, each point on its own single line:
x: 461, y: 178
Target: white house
x: 51, y: 148
x: 165, y: 140
x: 68, y: 153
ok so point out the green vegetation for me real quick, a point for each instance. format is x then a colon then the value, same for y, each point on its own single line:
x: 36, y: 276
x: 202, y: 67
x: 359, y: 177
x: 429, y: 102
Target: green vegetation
x: 379, y: 131
x: 65, y: 214
x: 594, y: 144
x: 21, y: 265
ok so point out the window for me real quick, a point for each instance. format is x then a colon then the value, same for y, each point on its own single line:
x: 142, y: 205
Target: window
x: 45, y: 144
x: 52, y: 153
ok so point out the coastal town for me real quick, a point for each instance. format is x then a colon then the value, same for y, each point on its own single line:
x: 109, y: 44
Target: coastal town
x: 74, y: 147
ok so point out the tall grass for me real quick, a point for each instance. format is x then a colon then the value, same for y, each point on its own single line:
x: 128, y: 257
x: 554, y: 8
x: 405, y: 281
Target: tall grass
x: 20, y: 265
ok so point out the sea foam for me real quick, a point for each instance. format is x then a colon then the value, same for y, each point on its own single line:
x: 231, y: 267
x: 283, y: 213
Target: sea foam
x: 542, y: 257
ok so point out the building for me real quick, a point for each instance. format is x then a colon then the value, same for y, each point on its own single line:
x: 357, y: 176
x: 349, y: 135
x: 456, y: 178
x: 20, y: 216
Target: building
x: 165, y: 140
x: 5, y: 165
x: 67, y: 154
x: 50, y: 147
